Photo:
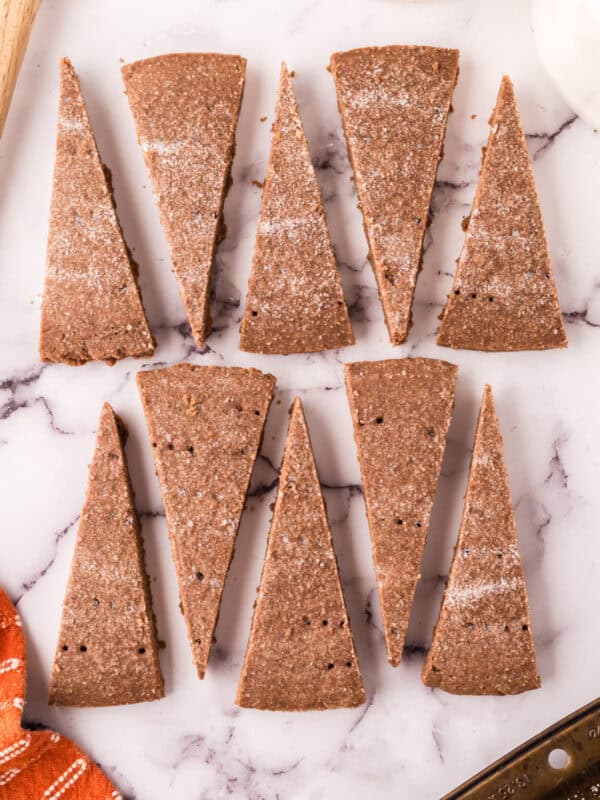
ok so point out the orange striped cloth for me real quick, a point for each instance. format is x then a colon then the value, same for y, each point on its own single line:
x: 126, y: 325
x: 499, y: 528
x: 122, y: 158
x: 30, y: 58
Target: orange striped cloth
x: 39, y: 765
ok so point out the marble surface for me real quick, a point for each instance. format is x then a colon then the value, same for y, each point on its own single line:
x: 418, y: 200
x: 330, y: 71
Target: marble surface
x: 407, y: 741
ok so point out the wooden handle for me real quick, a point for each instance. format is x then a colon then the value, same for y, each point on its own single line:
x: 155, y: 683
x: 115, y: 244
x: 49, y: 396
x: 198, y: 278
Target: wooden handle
x: 16, y: 21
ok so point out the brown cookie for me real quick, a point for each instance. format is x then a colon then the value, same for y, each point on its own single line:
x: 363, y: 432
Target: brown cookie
x: 186, y: 108
x: 394, y: 103
x: 91, y: 308
x: 295, y: 302
x: 107, y: 650
x: 401, y: 410
x: 482, y: 643
x: 300, y: 654
x: 205, y: 424
x: 504, y: 297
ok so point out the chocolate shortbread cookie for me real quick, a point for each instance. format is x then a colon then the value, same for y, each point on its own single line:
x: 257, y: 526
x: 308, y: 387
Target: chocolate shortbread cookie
x: 295, y: 302
x: 394, y: 103
x: 205, y: 424
x: 482, y: 643
x: 504, y: 297
x: 186, y: 108
x: 91, y: 307
x: 401, y: 410
x: 300, y: 654
x: 107, y: 649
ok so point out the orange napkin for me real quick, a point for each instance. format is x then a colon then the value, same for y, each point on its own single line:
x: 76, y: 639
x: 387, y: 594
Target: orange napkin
x: 39, y: 764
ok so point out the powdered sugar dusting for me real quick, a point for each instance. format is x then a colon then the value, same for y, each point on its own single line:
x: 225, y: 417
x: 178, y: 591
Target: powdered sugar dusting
x: 290, y: 226
x: 469, y: 594
x: 482, y: 642
x: 70, y: 124
x: 504, y: 296
x: 91, y: 307
x: 187, y: 134
x: 162, y: 148
x: 295, y: 301
x: 378, y: 96
x: 394, y: 103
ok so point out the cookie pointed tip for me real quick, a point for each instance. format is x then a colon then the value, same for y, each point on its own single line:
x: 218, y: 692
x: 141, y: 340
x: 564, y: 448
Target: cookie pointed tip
x: 488, y: 408
x: 285, y: 76
x: 110, y: 422
x: 68, y: 73
x: 487, y: 399
x: 507, y: 88
x: 296, y: 409
x: 398, y: 337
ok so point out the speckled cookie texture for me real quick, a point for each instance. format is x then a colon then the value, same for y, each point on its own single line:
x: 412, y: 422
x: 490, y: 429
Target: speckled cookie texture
x: 300, y: 654
x: 482, y: 643
x: 91, y: 308
x: 504, y: 297
x: 295, y: 302
x: 186, y: 108
x: 107, y: 650
x: 401, y: 411
x: 394, y: 102
x: 205, y: 424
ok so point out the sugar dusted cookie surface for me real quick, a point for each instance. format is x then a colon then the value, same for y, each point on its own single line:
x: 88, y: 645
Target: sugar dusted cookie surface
x: 482, y: 643
x: 295, y: 302
x: 91, y: 308
x: 394, y: 103
x: 504, y: 297
x: 186, y: 108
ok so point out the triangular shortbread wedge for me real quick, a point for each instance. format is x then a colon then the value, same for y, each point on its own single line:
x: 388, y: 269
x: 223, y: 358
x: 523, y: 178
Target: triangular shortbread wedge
x: 482, y: 643
x: 186, y: 108
x: 394, y: 103
x: 401, y: 411
x: 504, y: 297
x: 91, y: 307
x: 206, y: 426
x: 107, y: 649
x: 295, y: 302
x: 300, y: 653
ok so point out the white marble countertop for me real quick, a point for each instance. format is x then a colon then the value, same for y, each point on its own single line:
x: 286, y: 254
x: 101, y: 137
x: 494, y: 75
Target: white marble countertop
x: 408, y: 741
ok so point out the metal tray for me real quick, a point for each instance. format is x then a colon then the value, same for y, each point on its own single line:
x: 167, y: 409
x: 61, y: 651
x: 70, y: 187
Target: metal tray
x: 561, y: 763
